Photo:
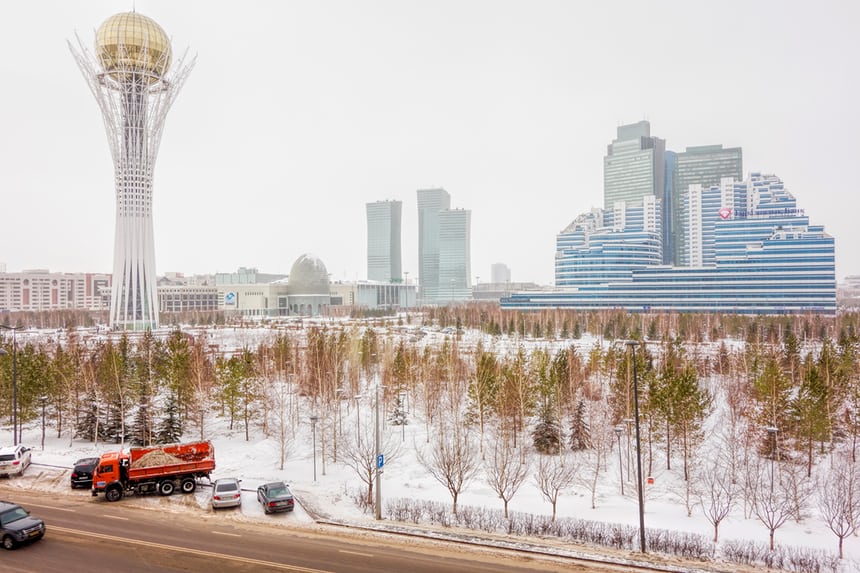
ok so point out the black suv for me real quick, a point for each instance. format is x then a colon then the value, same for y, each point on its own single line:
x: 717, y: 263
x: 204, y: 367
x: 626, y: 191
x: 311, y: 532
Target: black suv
x: 82, y: 473
x: 17, y: 526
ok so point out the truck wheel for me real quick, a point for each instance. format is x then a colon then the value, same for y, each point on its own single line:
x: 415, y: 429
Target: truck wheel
x: 166, y: 487
x: 8, y: 542
x: 113, y: 493
x: 188, y: 485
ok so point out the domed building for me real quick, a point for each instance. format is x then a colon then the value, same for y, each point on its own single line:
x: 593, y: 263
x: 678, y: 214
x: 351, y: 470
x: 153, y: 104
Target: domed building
x: 308, y: 286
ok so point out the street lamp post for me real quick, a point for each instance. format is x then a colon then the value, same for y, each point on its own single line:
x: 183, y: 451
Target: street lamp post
x: 377, y: 509
x: 314, y: 432
x: 406, y: 290
x: 618, y: 431
x: 632, y: 345
x: 43, y: 399
x: 14, y: 383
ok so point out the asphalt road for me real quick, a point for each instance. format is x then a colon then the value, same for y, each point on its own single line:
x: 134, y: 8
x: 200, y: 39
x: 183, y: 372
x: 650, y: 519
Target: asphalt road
x: 86, y: 534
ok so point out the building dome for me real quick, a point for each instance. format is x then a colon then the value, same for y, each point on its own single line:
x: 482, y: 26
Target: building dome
x: 132, y: 43
x: 308, y: 276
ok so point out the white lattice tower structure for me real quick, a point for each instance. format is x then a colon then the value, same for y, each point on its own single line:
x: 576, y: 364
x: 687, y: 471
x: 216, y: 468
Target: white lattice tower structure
x: 131, y: 78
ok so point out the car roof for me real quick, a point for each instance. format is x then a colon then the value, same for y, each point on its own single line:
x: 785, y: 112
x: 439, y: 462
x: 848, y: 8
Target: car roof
x: 4, y: 505
x: 9, y: 449
x: 225, y: 480
x: 275, y: 484
x: 84, y: 461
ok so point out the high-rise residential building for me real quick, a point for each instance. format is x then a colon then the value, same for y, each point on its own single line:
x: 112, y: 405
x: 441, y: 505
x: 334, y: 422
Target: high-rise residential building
x: 383, y: 241
x: 500, y: 273
x: 599, y: 248
x: 455, y: 265
x: 758, y: 254
x: 131, y: 78
x: 704, y: 165
x: 635, y: 167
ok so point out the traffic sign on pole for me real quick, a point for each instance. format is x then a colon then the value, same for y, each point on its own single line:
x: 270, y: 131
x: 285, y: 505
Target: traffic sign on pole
x: 380, y: 461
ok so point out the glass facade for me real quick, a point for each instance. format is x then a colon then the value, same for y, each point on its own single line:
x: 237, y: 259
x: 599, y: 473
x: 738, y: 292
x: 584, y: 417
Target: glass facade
x: 383, y: 241
x: 759, y: 255
x: 431, y: 202
x: 705, y: 165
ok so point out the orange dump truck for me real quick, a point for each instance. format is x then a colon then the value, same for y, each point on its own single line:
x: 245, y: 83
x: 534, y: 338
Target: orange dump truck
x: 162, y: 469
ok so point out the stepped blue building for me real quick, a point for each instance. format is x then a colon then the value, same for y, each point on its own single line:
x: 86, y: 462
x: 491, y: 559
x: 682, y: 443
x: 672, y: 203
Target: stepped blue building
x: 752, y: 251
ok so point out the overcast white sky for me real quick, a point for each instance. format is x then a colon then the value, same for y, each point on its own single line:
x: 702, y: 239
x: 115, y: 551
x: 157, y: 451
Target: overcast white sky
x: 299, y: 113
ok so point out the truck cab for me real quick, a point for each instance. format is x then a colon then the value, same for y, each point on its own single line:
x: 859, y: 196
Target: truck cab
x: 109, y: 471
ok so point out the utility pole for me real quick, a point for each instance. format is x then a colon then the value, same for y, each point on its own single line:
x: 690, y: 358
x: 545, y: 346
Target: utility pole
x: 377, y: 509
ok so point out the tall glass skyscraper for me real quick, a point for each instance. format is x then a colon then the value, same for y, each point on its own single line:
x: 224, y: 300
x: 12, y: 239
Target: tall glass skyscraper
x: 384, y: 261
x: 431, y: 202
x: 704, y: 165
x: 634, y: 167
x: 444, y: 248
x: 455, y: 265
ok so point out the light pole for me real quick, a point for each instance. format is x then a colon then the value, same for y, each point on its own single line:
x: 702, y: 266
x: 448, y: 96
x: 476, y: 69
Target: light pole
x: 14, y: 382
x: 618, y: 431
x: 632, y: 345
x: 377, y: 509
x: 314, y: 432
x: 406, y: 290
x: 43, y: 399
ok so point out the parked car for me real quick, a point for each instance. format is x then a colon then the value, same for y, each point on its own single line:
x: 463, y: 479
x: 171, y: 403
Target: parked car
x: 14, y: 460
x: 82, y: 472
x: 226, y: 492
x: 18, y: 526
x: 275, y: 496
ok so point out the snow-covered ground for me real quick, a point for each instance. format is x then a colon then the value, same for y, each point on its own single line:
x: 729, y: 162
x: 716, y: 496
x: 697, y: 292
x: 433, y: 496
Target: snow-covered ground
x: 331, y: 495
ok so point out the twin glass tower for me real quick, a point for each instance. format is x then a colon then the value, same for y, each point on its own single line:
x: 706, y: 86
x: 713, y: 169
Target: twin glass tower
x: 131, y: 78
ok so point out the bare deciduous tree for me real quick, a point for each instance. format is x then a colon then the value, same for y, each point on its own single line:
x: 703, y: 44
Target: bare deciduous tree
x: 718, y: 492
x: 771, y: 503
x: 839, y: 502
x: 452, y: 460
x: 360, y: 454
x: 555, y: 473
x: 506, y: 471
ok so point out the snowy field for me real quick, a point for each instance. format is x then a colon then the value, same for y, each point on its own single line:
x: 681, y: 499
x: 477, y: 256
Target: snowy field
x: 332, y: 494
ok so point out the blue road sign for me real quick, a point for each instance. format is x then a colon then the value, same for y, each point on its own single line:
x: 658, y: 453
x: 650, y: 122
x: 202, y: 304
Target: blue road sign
x: 380, y: 461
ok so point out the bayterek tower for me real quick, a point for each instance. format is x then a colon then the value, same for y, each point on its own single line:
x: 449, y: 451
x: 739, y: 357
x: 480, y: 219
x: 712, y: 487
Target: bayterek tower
x: 131, y: 77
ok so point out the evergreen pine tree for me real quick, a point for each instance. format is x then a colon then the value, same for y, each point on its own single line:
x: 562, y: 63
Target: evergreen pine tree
x: 170, y: 428
x: 398, y: 413
x: 580, y: 438
x: 547, y: 434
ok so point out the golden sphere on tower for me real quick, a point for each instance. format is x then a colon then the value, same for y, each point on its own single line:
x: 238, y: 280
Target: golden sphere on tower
x: 130, y: 44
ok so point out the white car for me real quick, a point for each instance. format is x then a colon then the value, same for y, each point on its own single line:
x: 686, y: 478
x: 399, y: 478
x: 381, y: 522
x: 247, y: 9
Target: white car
x: 14, y: 460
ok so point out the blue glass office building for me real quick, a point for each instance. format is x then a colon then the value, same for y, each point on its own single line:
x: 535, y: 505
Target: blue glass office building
x: 759, y: 255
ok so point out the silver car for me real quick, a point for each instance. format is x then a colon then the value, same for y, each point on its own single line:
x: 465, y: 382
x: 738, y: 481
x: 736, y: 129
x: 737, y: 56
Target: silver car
x: 226, y: 492
x: 14, y: 460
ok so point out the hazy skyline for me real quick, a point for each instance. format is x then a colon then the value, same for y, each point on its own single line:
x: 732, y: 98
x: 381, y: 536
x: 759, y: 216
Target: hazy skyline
x: 297, y: 114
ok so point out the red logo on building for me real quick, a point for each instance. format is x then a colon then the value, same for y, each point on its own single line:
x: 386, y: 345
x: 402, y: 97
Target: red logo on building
x: 725, y: 213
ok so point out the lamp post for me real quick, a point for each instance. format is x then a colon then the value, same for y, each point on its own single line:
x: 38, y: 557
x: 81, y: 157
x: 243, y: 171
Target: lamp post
x: 406, y: 290
x: 14, y: 383
x: 43, y: 399
x: 314, y: 432
x: 632, y: 345
x: 377, y: 507
x: 618, y: 431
